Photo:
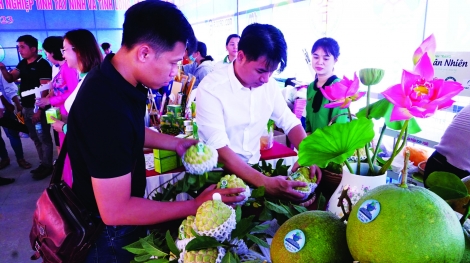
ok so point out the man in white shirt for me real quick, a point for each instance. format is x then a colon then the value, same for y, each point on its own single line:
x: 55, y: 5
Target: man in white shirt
x: 235, y: 102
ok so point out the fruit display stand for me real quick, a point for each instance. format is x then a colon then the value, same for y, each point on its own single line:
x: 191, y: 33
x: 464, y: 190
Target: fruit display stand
x: 271, y: 156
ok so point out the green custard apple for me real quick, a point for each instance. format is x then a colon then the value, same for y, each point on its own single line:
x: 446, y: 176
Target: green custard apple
x: 232, y: 181
x: 200, y: 158
x: 184, y: 233
x: 216, y: 219
x: 208, y: 255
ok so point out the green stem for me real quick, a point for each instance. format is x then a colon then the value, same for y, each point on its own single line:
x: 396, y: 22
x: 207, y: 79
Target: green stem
x: 371, y: 165
x: 378, y: 143
x: 368, y: 101
x: 395, y: 148
x: 358, y: 167
x: 466, y: 214
x: 349, y: 167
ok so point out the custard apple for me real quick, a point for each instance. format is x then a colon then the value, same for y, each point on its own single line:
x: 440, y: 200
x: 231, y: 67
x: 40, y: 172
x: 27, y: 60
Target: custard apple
x: 184, y: 233
x: 232, y: 181
x: 208, y: 255
x: 200, y: 158
x: 303, y: 175
x: 215, y: 219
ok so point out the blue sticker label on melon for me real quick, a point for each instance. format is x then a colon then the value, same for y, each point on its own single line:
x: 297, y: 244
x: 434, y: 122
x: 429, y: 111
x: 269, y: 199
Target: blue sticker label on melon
x: 294, y: 241
x: 368, y: 211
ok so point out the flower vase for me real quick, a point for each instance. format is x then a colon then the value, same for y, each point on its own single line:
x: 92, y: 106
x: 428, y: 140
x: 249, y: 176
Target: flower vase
x: 358, y: 186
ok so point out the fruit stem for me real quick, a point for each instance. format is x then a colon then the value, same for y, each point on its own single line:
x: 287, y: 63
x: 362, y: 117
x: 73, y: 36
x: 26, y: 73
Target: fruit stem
x: 466, y: 214
x: 349, y: 166
x: 404, y: 172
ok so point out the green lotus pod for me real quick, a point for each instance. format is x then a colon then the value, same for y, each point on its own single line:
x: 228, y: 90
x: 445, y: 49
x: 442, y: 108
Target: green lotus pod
x: 371, y: 76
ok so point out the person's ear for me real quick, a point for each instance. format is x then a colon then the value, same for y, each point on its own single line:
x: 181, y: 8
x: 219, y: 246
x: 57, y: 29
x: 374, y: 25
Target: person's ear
x: 143, y: 53
x: 241, y: 56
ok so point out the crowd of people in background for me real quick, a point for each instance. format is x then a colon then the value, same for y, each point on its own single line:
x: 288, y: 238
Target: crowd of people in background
x: 101, y: 101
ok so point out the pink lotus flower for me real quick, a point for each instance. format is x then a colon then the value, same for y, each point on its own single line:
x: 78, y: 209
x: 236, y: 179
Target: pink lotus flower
x: 342, y: 93
x: 420, y: 94
x: 429, y: 46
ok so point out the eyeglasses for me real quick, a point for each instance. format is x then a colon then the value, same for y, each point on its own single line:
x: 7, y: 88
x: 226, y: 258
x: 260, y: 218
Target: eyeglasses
x: 64, y: 49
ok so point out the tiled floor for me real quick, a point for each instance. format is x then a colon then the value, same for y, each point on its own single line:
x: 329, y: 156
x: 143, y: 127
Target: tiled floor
x: 17, y: 204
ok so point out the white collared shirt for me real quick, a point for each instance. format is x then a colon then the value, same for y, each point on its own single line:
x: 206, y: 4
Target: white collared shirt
x: 229, y: 114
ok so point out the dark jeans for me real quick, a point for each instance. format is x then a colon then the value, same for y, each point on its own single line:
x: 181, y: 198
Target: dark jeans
x: 108, y: 247
x: 438, y: 162
x: 10, y: 124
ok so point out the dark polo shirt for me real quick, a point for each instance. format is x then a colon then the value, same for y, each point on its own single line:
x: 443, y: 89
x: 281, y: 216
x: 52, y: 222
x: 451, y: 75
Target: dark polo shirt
x: 106, y: 132
x: 30, y: 75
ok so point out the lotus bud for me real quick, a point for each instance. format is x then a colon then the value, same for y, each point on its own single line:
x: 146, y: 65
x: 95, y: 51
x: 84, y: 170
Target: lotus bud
x: 371, y: 76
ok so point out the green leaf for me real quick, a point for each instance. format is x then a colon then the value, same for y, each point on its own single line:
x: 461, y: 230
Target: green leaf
x: 266, y: 214
x: 194, y: 233
x: 377, y: 110
x: 203, y: 242
x: 291, y: 211
x: 335, y: 143
x: 135, y: 248
x: 276, y: 208
x: 259, y: 228
x: 192, y: 179
x: 185, y: 186
x: 142, y: 258
x: 171, y: 244
x: 213, y: 177
x: 279, y: 163
x: 258, y: 240
x: 299, y: 208
x: 243, y: 227
x: 258, y: 192
x: 446, y: 185
x: 160, y: 260
x: 230, y: 258
x: 321, y: 202
x: 151, y: 249
x: 238, y: 213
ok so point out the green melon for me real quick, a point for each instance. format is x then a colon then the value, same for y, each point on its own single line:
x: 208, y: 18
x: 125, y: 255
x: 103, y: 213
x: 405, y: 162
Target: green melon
x: 413, y: 225
x: 466, y: 232
x: 325, y: 239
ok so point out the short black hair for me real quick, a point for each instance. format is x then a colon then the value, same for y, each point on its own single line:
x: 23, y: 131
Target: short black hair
x: 157, y: 23
x: 328, y: 44
x: 230, y: 37
x: 259, y: 40
x: 28, y: 40
x: 53, y: 45
x: 105, y: 45
x: 202, y: 48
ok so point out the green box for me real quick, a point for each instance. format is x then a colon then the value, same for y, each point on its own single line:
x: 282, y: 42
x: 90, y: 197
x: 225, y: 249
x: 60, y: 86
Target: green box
x: 173, y: 109
x: 53, y: 112
x: 165, y: 164
x: 160, y: 154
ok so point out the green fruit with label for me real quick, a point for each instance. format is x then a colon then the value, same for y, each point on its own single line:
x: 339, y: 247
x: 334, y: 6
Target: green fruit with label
x: 413, y: 225
x: 312, y: 236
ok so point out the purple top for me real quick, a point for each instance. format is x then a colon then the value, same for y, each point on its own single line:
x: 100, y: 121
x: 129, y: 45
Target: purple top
x: 455, y: 143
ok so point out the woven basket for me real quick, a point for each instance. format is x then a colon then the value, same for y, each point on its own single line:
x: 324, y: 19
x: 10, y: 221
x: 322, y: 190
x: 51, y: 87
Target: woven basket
x: 329, y: 183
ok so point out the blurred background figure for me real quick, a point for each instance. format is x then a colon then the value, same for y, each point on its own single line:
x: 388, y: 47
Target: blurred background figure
x: 231, y: 45
x: 202, y: 64
x: 106, y: 48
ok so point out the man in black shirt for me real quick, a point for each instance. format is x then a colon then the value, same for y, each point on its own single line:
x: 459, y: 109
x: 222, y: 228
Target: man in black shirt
x: 106, y: 132
x: 33, y: 71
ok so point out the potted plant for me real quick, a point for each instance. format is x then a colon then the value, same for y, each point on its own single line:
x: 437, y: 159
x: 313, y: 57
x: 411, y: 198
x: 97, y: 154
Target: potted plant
x: 418, y: 95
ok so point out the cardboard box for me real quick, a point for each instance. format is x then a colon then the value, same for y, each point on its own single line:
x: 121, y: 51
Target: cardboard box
x: 53, y: 112
x: 166, y: 164
x: 173, y: 109
x: 159, y: 154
